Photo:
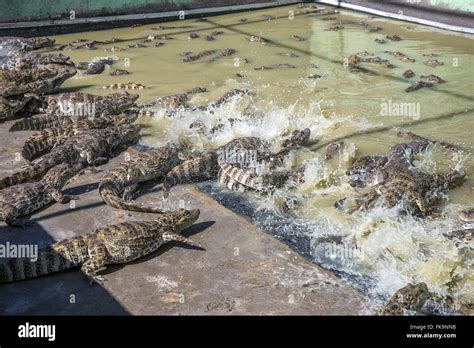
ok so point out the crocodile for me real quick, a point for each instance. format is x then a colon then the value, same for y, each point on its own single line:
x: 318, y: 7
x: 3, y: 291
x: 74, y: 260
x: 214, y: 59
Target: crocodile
x: 42, y: 86
x: 114, y: 49
x: 122, y: 182
x: 61, y: 108
x: 92, y: 147
x: 393, y: 38
x: 119, y: 72
x: 193, y: 36
x: 297, y: 38
x: 425, y: 81
x: 224, y: 53
x: 114, y: 244
x: 418, y: 299
x: 128, y: 85
x: 189, y: 57
x: 27, y: 44
x: 394, y: 180
x: 242, y: 153
x: 408, y: 74
x: 433, y: 63
x: 258, y: 39
x: 415, y: 190
x: 401, y: 56
x: 242, y: 177
x: 98, y: 66
x: 10, y: 107
x: 467, y: 215
x: 411, y: 297
x: 23, y: 199
x: 333, y: 28
x: 137, y: 45
x: 42, y: 142
x: 16, y: 60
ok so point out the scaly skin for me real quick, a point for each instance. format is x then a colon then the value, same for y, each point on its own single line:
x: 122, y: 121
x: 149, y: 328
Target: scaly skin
x: 56, y: 111
x: 47, y: 85
x: 234, y: 177
x: 17, y: 60
x: 41, y: 142
x: 10, y: 108
x: 28, y: 44
x: 21, y: 200
x: 114, y: 244
x: 92, y: 147
x: 125, y: 179
x: 410, y: 297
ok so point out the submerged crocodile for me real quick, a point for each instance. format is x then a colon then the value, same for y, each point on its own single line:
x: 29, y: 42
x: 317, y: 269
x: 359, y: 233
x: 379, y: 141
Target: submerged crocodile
x: 401, y: 56
x: 128, y: 85
x: 113, y: 244
x: 93, y: 147
x: 41, y: 142
x: 21, y: 200
x: 63, y: 108
x: 425, y: 81
x: 121, y: 183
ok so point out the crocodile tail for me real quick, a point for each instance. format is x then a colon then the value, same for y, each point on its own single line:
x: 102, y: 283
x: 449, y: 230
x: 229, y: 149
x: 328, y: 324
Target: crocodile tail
x: 32, y: 173
x: 110, y: 197
x: 41, y: 142
x: 240, y: 177
x: 35, y: 123
x: 47, y: 262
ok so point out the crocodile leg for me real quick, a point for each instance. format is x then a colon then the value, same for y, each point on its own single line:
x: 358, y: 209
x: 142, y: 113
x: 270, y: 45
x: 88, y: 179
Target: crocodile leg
x: 61, y: 198
x: 98, y: 258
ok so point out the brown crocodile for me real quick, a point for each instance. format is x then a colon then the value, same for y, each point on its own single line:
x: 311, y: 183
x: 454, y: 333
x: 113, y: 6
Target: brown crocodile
x: 433, y: 63
x: 189, y: 57
x: 21, y: 200
x: 114, y: 244
x: 64, y: 107
x: 401, y: 56
x: 394, y: 38
x: 425, y: 81
x: 255, y: 38
x: 121, y: 183
x: 98, y: 66
x: 119, y: 72
x: 93, y: 147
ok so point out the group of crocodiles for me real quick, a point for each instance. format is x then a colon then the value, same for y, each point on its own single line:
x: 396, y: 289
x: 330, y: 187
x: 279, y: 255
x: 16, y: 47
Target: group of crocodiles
x: 67, y: 142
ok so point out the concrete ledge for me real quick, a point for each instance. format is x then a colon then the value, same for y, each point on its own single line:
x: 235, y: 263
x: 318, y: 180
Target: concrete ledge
x: 241, y: 271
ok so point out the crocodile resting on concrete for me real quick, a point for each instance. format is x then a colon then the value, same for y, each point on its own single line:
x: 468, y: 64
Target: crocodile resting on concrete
x: 121, y: 183
x: 56, y: 76
x: 21, y: 200
x: 45, y: 140
x: 114, y: 244
x: 92, y: 147
x: 60, y: 109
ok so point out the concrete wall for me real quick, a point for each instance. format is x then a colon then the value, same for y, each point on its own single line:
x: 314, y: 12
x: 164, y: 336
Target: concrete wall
x: 451, y: 12
x: 32, y: 10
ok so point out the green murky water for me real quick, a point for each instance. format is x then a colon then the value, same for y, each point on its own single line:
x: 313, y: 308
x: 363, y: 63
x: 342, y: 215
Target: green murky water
x: 339, y: 105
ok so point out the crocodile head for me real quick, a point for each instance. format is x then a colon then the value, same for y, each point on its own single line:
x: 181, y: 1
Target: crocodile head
x: 182, y: 218
x: 411, y: 297
x: 298, y: 137
x: 123, y: 100
x: 361, y: 172
x: 40, y: 42
x: 453, y: 178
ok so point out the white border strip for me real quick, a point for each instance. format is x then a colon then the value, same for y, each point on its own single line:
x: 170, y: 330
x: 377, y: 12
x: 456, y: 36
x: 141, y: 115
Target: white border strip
x: 233, y: 8
x: 397, y: 16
